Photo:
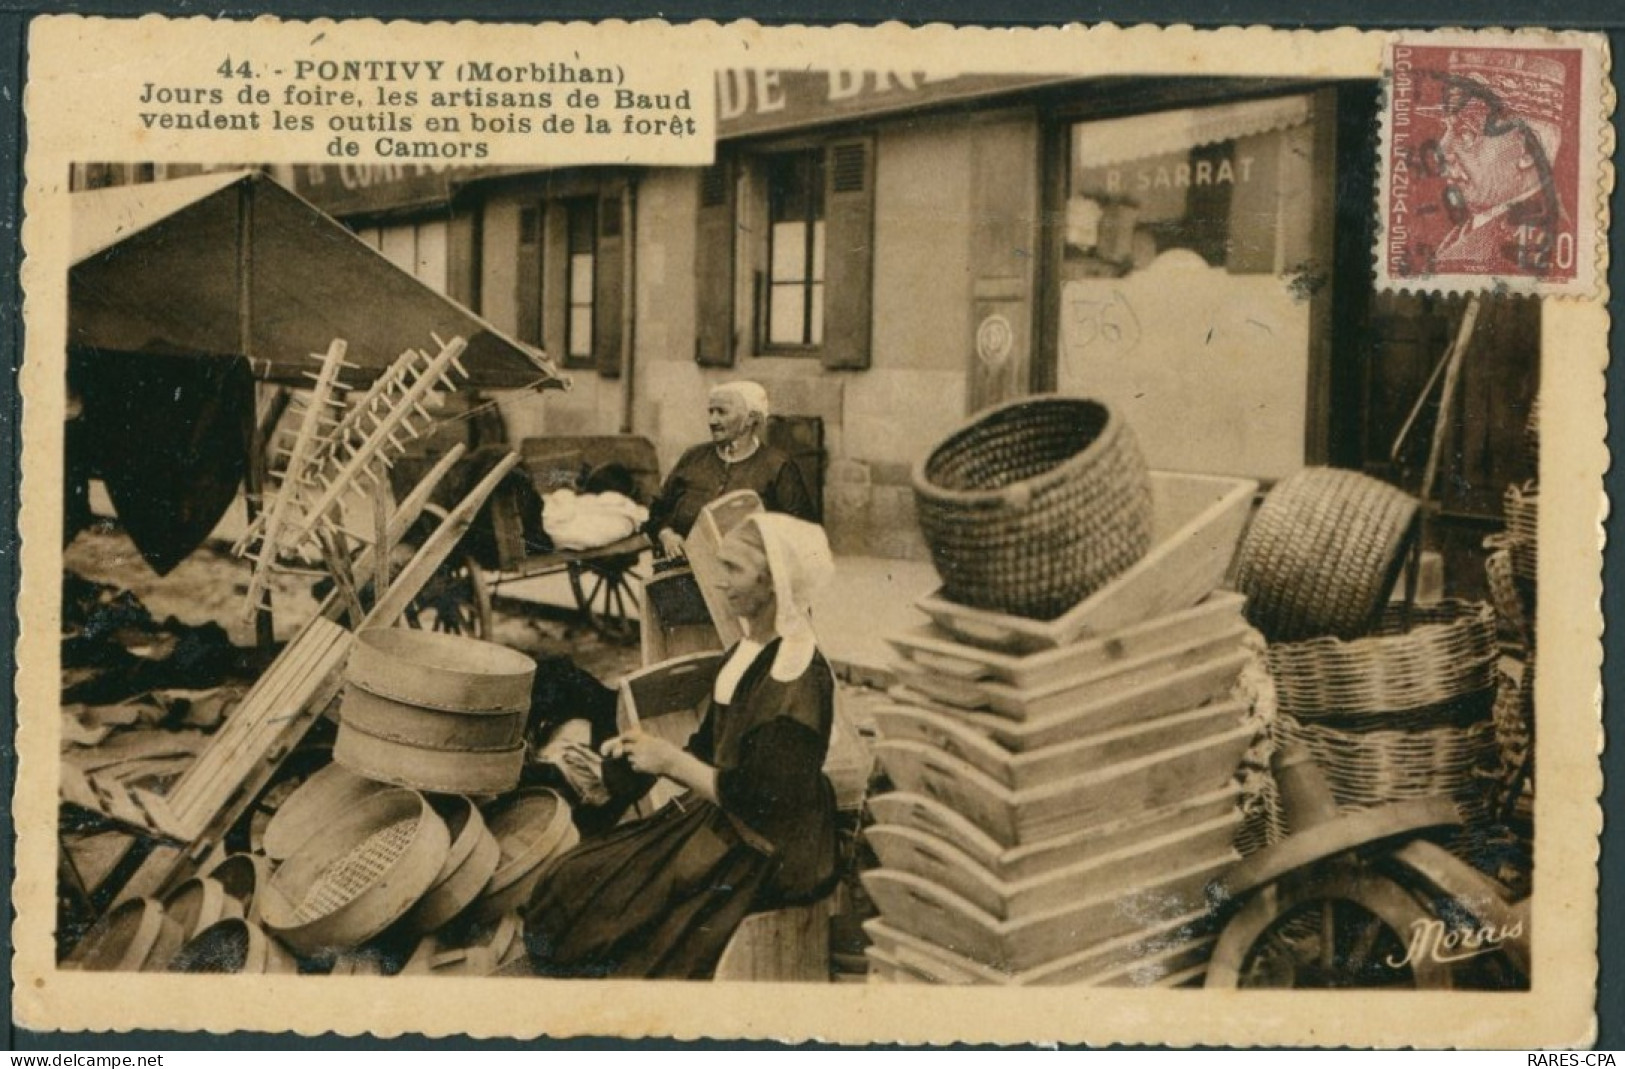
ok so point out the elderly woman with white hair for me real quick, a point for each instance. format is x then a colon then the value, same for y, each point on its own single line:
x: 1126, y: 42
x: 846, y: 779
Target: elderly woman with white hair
x: 661, y: 897
x: 736, y: 458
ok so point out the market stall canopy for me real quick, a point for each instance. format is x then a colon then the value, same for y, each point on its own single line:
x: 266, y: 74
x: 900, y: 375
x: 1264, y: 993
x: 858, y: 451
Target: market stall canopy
x: 233, y: 264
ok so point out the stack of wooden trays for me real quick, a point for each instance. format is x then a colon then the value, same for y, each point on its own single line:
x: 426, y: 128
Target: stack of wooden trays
x: 1064, y: 799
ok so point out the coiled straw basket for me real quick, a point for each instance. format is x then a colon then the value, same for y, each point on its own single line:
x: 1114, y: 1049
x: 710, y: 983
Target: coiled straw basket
x: 1034, y: 505
x: 1323, y: 553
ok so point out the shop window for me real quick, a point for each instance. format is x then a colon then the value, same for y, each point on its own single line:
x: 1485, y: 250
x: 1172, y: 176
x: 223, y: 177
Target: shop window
x: 1186, y: 270
x: 785, y: 254
x: 581, y: 237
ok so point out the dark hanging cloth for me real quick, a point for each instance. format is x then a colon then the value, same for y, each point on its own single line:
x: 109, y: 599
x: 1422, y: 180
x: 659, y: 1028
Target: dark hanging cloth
x: 661, y: 897
x: 700, y: 476
x: 168, y: 435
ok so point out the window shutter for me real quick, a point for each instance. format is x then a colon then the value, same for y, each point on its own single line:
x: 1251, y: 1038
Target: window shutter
x: 609, y: 273
x: 849, y: 229
x: 554, y: 241
x: 528, y: 276
x: 463, y: 259
x: 714, y: 268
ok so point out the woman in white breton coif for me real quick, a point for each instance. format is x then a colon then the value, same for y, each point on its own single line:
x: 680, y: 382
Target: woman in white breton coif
x: 756, y: 828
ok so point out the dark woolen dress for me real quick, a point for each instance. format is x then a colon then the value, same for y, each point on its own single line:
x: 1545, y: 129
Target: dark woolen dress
x: 700, y: 476
x: 661, y: 897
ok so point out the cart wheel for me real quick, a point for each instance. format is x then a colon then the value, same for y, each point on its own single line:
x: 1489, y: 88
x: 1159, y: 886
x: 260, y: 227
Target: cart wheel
x: 1344, y: 928
x: 604, y: 594
x: 455, y: 601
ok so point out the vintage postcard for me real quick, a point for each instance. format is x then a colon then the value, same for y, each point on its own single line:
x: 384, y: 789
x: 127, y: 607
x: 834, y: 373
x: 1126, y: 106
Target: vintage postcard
x: 857, y: 534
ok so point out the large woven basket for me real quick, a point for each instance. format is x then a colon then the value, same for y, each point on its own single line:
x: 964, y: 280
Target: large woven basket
x: 1034, y: 505
x: 1447, y: 656
x: 1372, y: 768
x: 1323, y: 553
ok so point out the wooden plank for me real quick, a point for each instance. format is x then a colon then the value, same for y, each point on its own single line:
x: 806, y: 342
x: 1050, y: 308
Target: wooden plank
x: 253, y: 748
x: 190, y: 807
x: 849, y: 762
x: 385, y: 545
x: 282, y: 673
x: 171, y: 869
x: 786, y: 945
x: 1028, y: 816
x: 221, y: 769
x: 337, y: 556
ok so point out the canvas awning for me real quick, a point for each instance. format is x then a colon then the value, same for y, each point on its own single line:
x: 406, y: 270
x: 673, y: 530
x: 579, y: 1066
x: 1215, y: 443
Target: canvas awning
x: 233, y: 264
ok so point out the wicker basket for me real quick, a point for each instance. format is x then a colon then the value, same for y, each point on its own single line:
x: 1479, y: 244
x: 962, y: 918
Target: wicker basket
x: 1506, y: 594
x: 1372, y: 768
x: 1323, y: 553
x: 1523, y: 520
x: 1446, y: 657
x: 1034, y: 505
x: 1514, y: 717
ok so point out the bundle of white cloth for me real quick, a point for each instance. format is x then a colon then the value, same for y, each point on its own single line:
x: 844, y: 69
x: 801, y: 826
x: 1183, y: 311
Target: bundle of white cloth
x: 587, y: 521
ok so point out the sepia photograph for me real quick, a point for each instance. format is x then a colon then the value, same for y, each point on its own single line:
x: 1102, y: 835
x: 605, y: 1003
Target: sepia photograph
x: 985, y: 529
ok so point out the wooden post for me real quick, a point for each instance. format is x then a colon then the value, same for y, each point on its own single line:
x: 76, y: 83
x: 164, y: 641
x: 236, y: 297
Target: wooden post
x: 254, y: 477
x: 1441, y: 427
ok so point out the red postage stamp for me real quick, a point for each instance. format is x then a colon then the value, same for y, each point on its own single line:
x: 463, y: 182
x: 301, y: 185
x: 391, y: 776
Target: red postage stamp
x: 1489, y: 168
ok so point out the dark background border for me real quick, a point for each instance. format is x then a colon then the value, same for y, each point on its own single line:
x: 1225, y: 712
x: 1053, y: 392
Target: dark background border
x: 1604, y: 15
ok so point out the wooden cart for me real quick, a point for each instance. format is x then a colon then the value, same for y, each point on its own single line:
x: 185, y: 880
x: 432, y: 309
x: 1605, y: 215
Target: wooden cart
x: 604, y: 581
x: 497, y: 551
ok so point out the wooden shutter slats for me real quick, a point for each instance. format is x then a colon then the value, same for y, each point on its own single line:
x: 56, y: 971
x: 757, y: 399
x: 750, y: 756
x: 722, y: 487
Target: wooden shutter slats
x: 714, y: 267
x: 849, y: 254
